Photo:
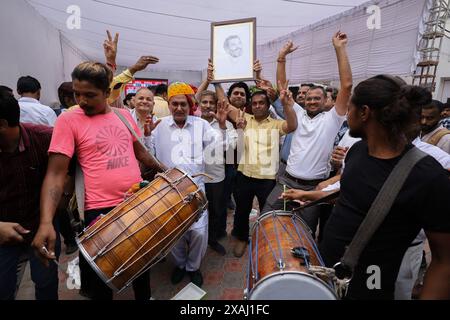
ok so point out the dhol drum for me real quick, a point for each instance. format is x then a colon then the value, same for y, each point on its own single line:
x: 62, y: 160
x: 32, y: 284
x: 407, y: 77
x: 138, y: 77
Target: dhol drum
x: 140, y: 231
x: 281, y: 252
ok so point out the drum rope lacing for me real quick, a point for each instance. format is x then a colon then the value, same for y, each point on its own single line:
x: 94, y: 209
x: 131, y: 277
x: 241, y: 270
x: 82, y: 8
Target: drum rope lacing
x: 340, y: 285
x: 110, y: 246
x: 280, y: 261
x: 122, y: 269
x: 168, y: 247
x: 117, y: 217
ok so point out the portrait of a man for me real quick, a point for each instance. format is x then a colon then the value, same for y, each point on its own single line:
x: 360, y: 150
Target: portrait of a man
x: 233, y: 46
x: 233, y: 49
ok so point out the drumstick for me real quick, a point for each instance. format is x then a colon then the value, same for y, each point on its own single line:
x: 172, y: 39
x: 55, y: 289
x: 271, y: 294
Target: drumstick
x: 284, y: 200
x: 54, y: 260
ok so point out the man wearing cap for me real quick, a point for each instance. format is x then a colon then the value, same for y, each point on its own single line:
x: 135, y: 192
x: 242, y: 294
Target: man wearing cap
x: 183, y: 141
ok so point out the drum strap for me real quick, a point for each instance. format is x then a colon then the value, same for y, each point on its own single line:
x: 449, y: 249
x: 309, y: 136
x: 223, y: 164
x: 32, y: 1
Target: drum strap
x: 133, y: 132
x: 380, y: 207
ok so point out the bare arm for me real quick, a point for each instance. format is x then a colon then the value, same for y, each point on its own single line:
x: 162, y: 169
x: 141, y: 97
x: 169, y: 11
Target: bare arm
x: 143, y: 156
x: 281, y: 61
x: 345, y: 73
x: 205, y: 84
x: 437, y: 278
x: 52, y: 189
x: 328, y: 182
x: 287, y: 100
x: 301, y: 195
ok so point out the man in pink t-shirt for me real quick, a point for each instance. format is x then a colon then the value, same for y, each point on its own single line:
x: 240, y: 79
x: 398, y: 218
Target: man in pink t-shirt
x: 108, y: 155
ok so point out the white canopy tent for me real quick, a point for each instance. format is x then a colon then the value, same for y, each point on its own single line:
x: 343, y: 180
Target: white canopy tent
x: 390, y: 49
x: 36, y: 40
x: 177, y: 31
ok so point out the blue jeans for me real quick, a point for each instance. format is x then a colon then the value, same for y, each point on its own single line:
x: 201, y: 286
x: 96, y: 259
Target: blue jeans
x: 45, y: 279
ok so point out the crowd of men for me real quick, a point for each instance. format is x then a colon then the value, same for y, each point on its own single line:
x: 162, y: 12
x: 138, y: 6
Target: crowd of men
x: 284, y: 149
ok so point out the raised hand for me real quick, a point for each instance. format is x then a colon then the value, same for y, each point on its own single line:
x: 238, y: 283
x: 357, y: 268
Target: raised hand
x: 286, y: 96
x: 257, y: 67
x: 288, y: 48
x: 149, y: 125
x: 340, y: 40
x: 222, y: 113
x: 241, y: 123
x: 142, y: 63
x: 210, y: 71
x: 110, y: 47
x: 263, y: 84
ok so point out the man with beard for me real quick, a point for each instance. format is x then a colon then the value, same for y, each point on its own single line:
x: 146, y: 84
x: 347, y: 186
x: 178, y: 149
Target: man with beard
x: 432, y: 131
x: 312, y: 142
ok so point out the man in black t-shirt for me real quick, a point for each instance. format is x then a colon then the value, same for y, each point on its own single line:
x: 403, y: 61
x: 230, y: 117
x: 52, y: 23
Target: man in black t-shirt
x: 382, y: 112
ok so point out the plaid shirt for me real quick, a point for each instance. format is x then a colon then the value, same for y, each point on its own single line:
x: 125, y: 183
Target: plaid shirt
x: 445, y: 123
x: 21, y: 175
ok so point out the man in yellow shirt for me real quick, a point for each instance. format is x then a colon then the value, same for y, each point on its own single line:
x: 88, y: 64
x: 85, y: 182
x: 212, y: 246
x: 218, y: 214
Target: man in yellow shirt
x: 161, y: 108
x: 258, y: 164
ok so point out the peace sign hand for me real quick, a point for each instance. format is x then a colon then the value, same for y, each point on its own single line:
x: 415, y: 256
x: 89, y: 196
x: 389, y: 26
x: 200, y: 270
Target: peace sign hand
x: 241, y: 123
x: 286, y: 96
x: 110, y: 47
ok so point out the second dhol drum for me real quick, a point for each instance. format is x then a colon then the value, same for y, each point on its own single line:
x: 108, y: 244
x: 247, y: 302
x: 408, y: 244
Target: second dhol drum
x: 136, y: 234
x: 281, y: 252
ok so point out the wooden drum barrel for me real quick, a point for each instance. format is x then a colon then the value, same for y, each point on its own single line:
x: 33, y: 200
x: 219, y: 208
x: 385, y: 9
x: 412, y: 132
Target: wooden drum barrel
x: 136, y: 234
x: 280, y: 253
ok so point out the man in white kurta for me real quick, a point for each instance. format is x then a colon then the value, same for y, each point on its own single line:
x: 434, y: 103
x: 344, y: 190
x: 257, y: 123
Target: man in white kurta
x: 182, y: 141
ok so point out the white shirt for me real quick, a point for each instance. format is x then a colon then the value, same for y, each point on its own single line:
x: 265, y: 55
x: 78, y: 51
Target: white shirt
x: 32, y: 111
x: 145, y: 140
x: 184, y: 148
x: 443, y: 144
x: 440, y: 156
x: 312, y: 144
x: 347, y: 140
x: 216, y: 169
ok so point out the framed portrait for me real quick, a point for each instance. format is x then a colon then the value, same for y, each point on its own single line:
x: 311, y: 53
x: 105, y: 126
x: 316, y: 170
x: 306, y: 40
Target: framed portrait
x: 233, y: 50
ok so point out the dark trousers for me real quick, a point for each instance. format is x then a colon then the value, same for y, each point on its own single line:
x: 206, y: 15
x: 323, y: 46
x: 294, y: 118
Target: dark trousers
x: 230, y: 179
x: 65, y: 228
x: 245, y: 190
x: 216, y: 209
x: 45, y: 278
x: 92, y: 283
x: 310, y: 215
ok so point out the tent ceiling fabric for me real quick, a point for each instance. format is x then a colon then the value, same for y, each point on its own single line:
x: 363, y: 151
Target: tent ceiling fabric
x: 178, y: 31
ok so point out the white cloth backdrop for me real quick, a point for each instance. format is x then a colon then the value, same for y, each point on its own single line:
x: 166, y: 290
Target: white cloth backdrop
x: 390, y: 49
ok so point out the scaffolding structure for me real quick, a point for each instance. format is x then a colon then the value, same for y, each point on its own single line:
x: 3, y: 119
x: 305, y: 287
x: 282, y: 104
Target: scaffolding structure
x: 431, y: 44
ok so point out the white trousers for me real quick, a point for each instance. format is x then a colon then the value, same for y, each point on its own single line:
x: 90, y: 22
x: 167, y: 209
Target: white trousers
x: 191, y: 248
x: 408, y: 273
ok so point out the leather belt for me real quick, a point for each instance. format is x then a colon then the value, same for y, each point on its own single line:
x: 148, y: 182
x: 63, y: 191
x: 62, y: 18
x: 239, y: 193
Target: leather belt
x: 301, y: 181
